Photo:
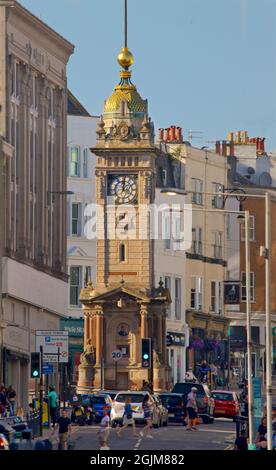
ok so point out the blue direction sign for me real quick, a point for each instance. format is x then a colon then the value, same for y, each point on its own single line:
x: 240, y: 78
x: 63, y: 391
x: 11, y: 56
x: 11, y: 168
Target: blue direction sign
x: 258, y: 406
x: 48, y: 369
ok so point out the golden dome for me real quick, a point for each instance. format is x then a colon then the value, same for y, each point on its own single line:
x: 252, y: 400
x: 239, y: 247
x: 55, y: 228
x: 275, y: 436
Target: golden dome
x: 125, y: 93
x: 125, y: 58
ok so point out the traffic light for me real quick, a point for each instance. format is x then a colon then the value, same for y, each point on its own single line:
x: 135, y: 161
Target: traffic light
x: 35, y: 365
x: 146, y: 353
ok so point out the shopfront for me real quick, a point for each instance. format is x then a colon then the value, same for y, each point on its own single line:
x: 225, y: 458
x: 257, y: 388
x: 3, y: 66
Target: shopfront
x: 75, y: 328
x: 176, y: 347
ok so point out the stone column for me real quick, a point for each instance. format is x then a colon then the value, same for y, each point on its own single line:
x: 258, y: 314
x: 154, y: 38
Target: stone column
x: 99, y: 336
x: 144, y: 321
x: 91, y: 326
x: 86, y: 329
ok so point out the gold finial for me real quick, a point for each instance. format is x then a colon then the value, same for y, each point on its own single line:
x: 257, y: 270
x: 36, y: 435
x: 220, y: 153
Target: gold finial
x: 125, y: 58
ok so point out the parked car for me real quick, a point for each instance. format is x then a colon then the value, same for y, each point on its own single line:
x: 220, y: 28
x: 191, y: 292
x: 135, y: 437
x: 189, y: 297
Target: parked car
x: 7, y: 430
x: 160, y: 413
x: 97, y: 402
x: 175, y: 406
x: 111, y: 393
x: 227, y: 404
x: 205, y: 402
x: 4, y: 445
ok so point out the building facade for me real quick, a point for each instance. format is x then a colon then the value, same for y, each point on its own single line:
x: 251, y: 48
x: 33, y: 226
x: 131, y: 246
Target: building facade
x: 205, y: 268
x: 33, y: 121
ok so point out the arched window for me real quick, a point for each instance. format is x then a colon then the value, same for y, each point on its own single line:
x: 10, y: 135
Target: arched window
x: 122, y: 253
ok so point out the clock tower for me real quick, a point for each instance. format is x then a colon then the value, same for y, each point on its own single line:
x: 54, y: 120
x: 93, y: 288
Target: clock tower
x: 125, y: 305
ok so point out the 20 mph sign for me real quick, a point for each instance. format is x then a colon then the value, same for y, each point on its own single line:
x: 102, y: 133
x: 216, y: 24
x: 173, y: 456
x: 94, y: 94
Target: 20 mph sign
x: 116, y: 355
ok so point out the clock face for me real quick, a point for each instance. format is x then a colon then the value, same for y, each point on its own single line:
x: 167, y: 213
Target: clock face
x: 123, y: 188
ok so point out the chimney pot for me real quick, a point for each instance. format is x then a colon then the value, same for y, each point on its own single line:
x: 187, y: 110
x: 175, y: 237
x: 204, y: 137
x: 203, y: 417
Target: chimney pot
x: 161, y: 134
x: 224, y: 148
x: 167, y: 136
x: 218, y: 147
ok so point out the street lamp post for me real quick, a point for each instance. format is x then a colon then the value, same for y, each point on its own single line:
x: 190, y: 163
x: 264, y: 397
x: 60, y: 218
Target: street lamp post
x: 268, y: 318
x: 244, y: 216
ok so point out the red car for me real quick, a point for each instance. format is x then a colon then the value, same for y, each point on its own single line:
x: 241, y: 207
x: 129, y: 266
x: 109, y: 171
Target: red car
x: 227, y: 404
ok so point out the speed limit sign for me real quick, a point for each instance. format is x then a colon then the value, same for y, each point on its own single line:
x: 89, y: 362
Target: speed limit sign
x: 116, y: 355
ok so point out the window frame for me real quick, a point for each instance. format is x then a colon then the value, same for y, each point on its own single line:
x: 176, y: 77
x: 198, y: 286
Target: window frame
x: 75, y: 286
x: 252, y: 286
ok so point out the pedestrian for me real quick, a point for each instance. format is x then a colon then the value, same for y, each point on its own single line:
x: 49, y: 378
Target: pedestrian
x: 53, y: 402
x: 241, y: 441
x: 104, y: 431
x: 214, y: 372
x: 11, y: 393
x: 4, y: 401
x: 127, y: 419
x: 189, y: 376
x: 192, y: 409
x: 63, y: 425
x: 148, y: 416
x: 262, y: 430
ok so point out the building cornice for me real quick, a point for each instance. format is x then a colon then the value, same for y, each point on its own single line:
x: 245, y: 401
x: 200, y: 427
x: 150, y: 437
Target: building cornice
x: 30, y: 18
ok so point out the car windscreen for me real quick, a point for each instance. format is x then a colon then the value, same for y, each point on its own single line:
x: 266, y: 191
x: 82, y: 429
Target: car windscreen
x: 223, y: 396
x: 185, y: 388
x: 170, y: 400
x: 123, y: 397
x: 99, y: 400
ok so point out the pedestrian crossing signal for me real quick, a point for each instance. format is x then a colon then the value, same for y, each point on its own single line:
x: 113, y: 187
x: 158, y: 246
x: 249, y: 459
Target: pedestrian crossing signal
x: 35, y: 365
x: 146, y: 353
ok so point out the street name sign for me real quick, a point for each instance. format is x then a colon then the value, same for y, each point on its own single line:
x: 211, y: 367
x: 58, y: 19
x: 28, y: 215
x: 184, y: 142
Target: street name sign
x: 55, y: 345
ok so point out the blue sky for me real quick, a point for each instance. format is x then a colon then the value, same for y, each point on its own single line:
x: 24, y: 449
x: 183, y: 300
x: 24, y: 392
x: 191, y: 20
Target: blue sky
x: 205, y: 65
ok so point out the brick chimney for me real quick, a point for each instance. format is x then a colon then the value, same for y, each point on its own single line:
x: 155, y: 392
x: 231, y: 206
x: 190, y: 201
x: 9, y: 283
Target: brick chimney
x: 231, y: 149
x: 218, y: 147
x: 161, y: 134
x: 179, y: 136
x: 167, y: 135
x: 224, y: 148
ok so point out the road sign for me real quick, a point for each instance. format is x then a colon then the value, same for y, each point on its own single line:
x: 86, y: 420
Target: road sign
x: 116, y: 355
x: 55, y: 345
x: 48, y: 369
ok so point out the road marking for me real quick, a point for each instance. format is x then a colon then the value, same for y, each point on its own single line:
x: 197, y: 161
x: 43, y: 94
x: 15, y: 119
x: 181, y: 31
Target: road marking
x: 137, y: 445
x: 215, y: 430
x: 230, y: 447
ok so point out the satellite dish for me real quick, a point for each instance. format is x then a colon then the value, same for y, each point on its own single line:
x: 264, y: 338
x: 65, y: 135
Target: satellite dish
x: 251, y: 171
x: 265, y: 179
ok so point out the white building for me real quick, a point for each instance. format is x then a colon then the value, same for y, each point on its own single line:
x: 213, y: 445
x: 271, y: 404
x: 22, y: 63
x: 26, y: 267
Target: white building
x: 81, y: 252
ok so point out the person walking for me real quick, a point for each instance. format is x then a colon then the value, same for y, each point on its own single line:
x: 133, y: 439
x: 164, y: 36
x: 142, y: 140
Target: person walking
x: 192, y: 409
x: 11, y: 394
x: 4, y: 401
x: 189, y: 376
x: 63, y: 425
x: 104, y: 431
x: 214, y: 372
x: 127, y: 419
x: 53, y: 402
x: 148, y: 416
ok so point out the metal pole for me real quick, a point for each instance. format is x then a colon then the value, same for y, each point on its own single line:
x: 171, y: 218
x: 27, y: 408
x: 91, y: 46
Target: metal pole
x: 248, y: 328
x: 116, y: 370
x: 268, y: 318
x: 125, y: 23
x: 229, y: 358
x: 41, y: 393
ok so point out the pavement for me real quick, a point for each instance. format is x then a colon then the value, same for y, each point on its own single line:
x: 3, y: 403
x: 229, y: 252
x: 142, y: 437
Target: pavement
x: 218, y: 436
